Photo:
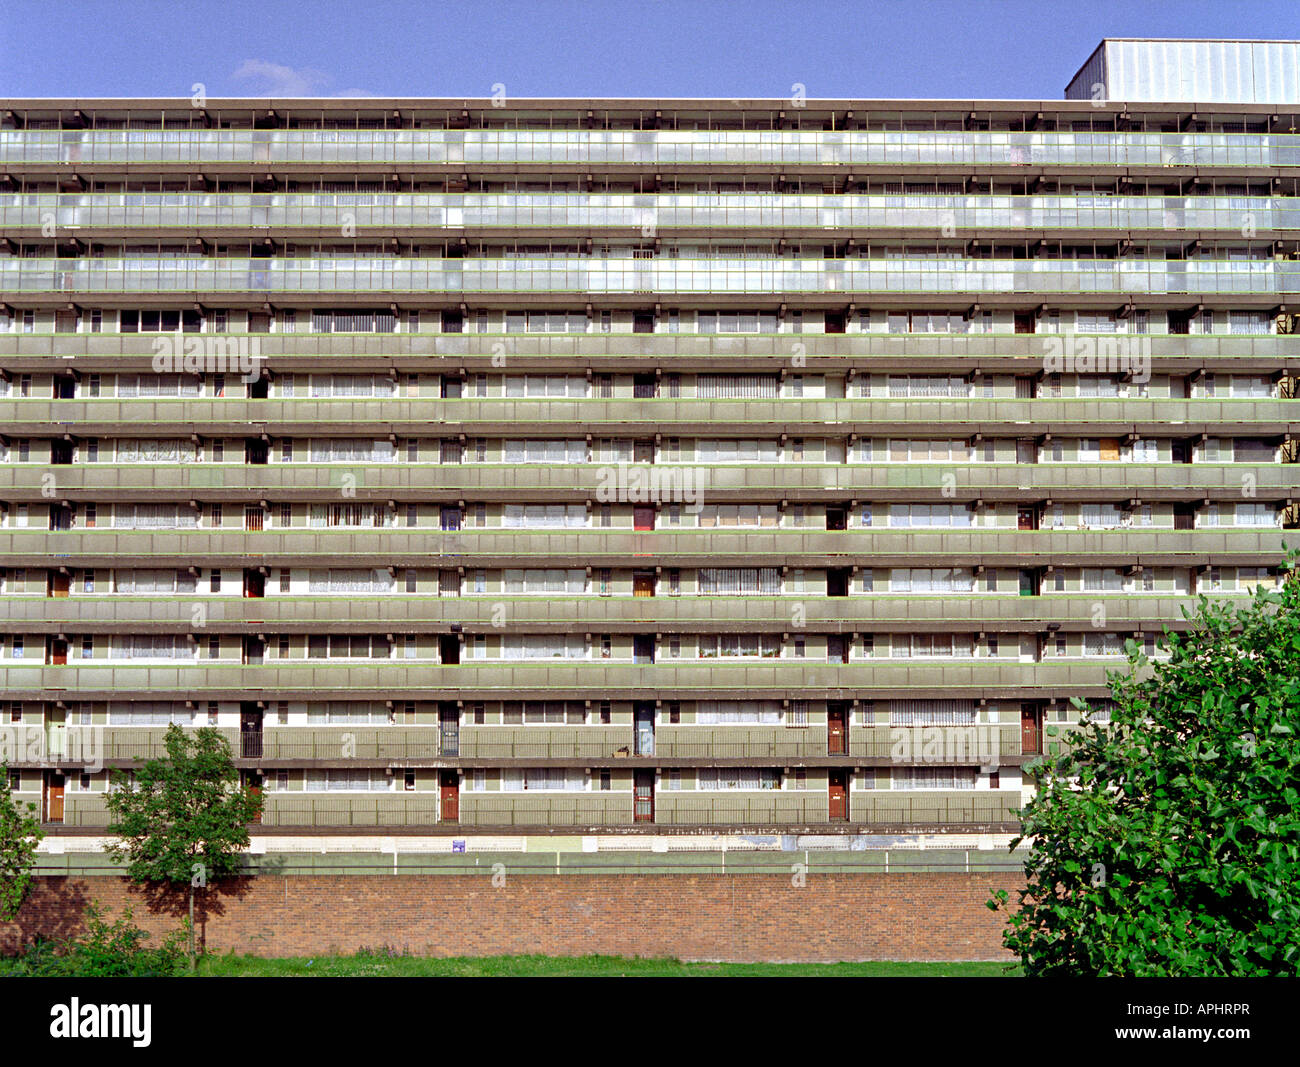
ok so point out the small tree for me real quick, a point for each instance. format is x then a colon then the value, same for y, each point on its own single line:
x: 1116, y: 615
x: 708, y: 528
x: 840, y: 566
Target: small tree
x: 20, y: 833
x: 1169, y: 842
x: 184, y: 820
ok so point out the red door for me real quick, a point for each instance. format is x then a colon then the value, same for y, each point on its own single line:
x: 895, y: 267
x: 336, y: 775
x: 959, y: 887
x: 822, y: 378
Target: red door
x: 450, y: 792
x: 838, y: 795
x: 254, y: 783
x: 58, y: 651
x: 836, y: 732
x: 643, y: 797
x: 1030, y: 734
x: 54, y: 785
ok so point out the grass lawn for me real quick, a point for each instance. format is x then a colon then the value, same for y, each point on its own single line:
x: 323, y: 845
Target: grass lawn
x: 394, y: 966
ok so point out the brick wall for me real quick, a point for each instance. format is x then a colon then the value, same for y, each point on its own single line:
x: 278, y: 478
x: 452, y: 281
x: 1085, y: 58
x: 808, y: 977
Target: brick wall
x: 914, y: 916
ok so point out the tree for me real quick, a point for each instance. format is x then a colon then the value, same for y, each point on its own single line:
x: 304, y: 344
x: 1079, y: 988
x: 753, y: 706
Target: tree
x: 1169, y: 842
x: 20, y: 833
x: 184, y: 820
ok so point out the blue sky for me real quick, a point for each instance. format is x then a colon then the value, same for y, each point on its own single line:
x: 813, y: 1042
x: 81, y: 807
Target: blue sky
x: 835, y: 48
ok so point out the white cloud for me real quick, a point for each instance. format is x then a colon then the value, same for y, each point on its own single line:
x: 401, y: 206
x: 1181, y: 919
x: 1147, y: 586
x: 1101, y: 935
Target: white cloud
x: 277, y: 80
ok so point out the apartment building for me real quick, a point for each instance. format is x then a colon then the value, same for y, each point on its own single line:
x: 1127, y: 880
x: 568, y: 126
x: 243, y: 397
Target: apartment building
x: 626, y: 465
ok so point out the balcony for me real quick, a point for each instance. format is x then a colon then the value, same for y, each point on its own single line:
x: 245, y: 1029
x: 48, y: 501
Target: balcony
x: 739, y: 482
x: 222, y: 215
x: 509, y: 148
x: 867, y: 810
x: 863, y: 352
x: 379, y: 417
x: 401, y: 547
x: 592, y: 680
x: 424, y: 613
x: 576, y: 277
x: 32, y: 745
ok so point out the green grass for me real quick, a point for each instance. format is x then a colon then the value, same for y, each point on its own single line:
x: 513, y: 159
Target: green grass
x: 385, y: 965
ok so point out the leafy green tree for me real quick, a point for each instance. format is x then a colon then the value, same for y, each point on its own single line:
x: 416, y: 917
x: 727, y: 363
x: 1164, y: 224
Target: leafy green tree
x: 184, y: 820
x: 20, y: 833
x: 1169, y: 842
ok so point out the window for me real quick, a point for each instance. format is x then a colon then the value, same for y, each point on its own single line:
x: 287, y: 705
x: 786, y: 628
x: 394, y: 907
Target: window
x: 527, y: 712
x: 347, y: 781
x: 713, y: 646
x: 543, y: 779
x: 933, y: 777
x: 958, y: 515
x: 927, y: 645
x: 738, y: 778
x: 931, y: 580
x: 739, y: 581
x: 932, y: 713
x: 733, y: 712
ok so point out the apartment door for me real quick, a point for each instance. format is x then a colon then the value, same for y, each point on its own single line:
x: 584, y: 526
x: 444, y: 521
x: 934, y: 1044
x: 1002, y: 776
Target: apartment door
x: 1184, y: 516
x: 56, y: 651
x: 643, y: 648
x: 54, y: 789
x: 1027, y: 518
x: 250, y: 731
x: 449, y: 728
x: 449, y: 649
x: 256, y: 451
x: 837, y: 582
x: 837, y: 648
x: 837, y: 730
x: 837, y: 518
x: 643, y: 322
x: 254, y: 651
x: 56, y: 733
x: 1024, y: 322
x: 253, y: 783
x: 835, y: 322
x: 1026, y: 451
x: 644, y: 386
x: 643, y: 583
x: 449, y: 795
x: 254, y: 585
x: 643, y: 517
x: 1030, y: 729
x: 643, y: 451
x: 254, y: 519
x: 643, y: 796
x: 1110, y: 449
x: 644, y: 720
x: 57, y: 584
x: 837, y: 794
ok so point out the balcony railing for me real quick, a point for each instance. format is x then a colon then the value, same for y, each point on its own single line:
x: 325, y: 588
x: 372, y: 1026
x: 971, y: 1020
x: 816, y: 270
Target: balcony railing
x: 663, y: 212
x: 511, y: 147
x: 966, y: 415
x: 579, y: 276
x: 689, y: 482
x: 597, y: 547
x: 876, y: 350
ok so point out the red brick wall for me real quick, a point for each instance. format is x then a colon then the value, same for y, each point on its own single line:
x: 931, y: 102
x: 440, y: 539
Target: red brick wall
x: 691, y: 917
